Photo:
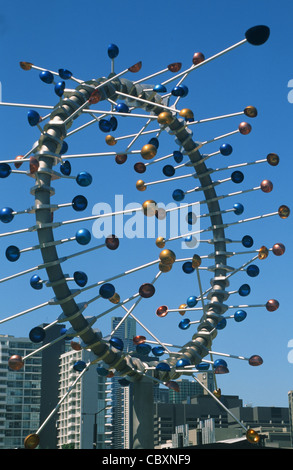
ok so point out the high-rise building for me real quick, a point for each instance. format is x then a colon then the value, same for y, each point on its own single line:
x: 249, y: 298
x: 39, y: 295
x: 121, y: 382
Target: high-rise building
x: 20, y: 392
x: 81, y: 416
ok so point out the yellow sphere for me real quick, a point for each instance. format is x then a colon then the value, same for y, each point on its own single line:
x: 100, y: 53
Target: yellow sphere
x: 252, y: 436
x: 160, y: 242
x: 196, y: 261
x: 182, y: 309
x: 149, y: 208
x: 167, y: 257
x: 186, y: 113
x: 148, y: 151
x: 217, y: 393
x: 110, y: 140
x: 165, y: 118
x: 165, y: 268
x: 250, y: 111
x: 31, y: 441
x: 115, y: 299
x: 140, y: 185
x: 263, y: 252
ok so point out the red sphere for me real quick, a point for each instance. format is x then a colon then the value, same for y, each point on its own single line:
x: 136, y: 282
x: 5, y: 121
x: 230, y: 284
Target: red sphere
x: 278, y: 249
x: 139, y: 339
x: 266, y: 186
x: 197, y: 58
x: 162, y: 311
x: 15, y: 362
x: 121, y: 158
x: 272, y: 305
x: 255, y: 360
x: 244, y: 128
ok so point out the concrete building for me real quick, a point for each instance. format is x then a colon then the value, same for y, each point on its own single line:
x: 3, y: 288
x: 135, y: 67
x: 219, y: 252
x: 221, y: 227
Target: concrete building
x: 81, y: 416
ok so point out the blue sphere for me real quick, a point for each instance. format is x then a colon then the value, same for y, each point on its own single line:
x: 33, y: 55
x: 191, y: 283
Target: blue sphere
x: 5, y: 170
x: 64, y: 74
x: 124, y: 382
x: 180, y: 90
x: 6, y: 215
x: 117, y: 343
x: 240, y: 315
x: 158, y: 351
x: 80, y: 278
x: 122, y: 108
x: 83, y: 236
x: 65, y: 168
x: 252, y: 270
x: 247, y: 241
x: 183, y: 362
x: 36, y: 282
x: 79, y: 366
x: 187, y: 267
x: 37, y: 334
x: 59, y: 88
x: 237, y: 177
x: 178, y: 156
x: 191, y: 301
x: 163, y: 366
x: 64, y: 147
x: 220, y: 362
x: 143, y: 349
x: 33, y: 118
x: 107, y: 291
x: 46, y: 76
x: 84, y: 179
x: 168, y: 170
x: 222, y: 324
x: 105, y: 125
x: 12, y: 253
x: 79, y: 203
x: 160, y: 88
x: 226, y: 149
x: 154, y: 141
x: 113, y: 51
x: 244, y: 290
x: 114, y: 123
x: 238, y: 208
x: 178, y: 195
x: 191, y: 218
x: 203, y: 366
x: 184, y: 324
x: 102, y: 371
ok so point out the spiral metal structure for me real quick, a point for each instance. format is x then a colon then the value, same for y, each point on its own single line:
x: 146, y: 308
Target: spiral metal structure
x: 48, y: 153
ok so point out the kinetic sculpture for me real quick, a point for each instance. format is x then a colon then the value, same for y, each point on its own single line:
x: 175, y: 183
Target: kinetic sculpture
x: 135, y: 99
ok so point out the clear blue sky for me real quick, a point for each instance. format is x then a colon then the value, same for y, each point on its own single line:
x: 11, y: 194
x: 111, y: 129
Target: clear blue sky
x: 76, y: 36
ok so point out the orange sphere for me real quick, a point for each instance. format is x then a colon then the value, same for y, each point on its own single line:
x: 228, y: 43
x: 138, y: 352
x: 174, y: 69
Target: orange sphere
x: 252, y: 436
x: 136, y: 67
x: 165, y: 268
x: 115, y: 299
x: 160, y: 242
x: 18, y: 164
x: 182, y: 309
x: 284, y: 212
x: 263, y: 252
x: 167, y: 257
x: 140, y: 185
x: 148, y: 151
x: 165, y: 118
x: 31, y: 441
x: 175, y: 67
x: 110, y: 140
x: 186, y: 113
x: 196, y: 261
x: 217, y: 392
x: 250, y: 111
x: 149, y: 208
